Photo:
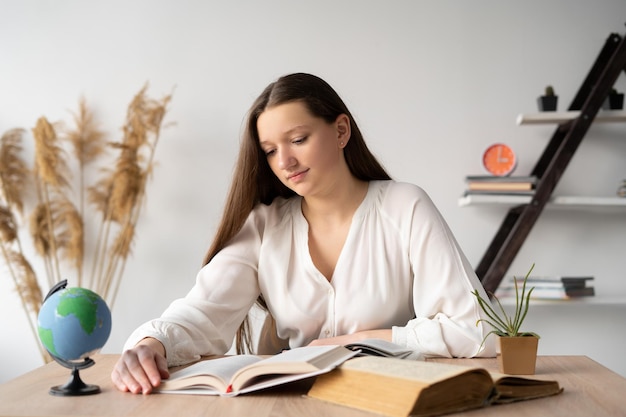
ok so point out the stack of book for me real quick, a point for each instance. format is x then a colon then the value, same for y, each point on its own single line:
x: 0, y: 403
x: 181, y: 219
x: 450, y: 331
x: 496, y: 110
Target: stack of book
x: 550, y: 288
x: 490, y: 184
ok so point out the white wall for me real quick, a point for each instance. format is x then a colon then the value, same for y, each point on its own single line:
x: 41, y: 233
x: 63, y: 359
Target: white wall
x: 431, y: 84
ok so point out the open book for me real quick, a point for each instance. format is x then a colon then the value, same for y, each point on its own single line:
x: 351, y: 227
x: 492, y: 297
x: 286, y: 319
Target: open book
x: 381, y: 347
x: 400, y: 388
x: 234, y: 375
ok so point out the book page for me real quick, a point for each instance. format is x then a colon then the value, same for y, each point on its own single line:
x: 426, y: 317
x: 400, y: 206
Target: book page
x: 213, y: 372
x: 514, y: 388
x: 307, y: 360
x: 427, y: 372
x: 234, y: 375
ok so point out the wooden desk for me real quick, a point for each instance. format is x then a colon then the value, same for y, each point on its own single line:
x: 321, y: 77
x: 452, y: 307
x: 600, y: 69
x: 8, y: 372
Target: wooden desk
x: 590, y: 390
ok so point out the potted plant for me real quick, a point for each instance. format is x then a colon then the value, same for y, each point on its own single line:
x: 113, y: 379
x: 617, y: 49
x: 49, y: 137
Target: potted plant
x: 548, y: 101
x: 517, y: 349
x: 614, y: 101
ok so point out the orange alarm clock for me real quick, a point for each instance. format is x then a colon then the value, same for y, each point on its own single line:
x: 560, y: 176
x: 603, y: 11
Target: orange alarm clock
x: 499, y: 159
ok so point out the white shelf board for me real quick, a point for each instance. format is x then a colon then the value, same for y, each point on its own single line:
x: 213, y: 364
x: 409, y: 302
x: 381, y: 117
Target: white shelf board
x: 491, y: 199
x: 551, y: 117
x: 617, y: 300
x: 582, y: 201
x: 563, y: 201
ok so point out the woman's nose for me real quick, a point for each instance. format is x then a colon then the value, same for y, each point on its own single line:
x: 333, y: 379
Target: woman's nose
x: 285, y: 159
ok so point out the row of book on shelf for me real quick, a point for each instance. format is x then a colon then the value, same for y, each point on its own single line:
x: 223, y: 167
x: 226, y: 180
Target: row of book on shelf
x: 490, y: 185
x: 550, y: 288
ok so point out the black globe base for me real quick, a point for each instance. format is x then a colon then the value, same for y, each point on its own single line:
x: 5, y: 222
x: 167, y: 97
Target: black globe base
x: 74, y: 387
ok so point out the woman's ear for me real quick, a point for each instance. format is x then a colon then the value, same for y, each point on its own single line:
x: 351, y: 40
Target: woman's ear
x: 343, y: 130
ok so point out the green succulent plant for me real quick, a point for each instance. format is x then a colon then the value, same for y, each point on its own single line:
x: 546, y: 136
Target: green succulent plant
x: 503, y: 324
x: 549, y: 91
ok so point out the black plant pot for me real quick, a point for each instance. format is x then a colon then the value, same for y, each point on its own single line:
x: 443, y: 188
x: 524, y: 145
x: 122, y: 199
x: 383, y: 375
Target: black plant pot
x: 547, y: 103
x: 614, y: 102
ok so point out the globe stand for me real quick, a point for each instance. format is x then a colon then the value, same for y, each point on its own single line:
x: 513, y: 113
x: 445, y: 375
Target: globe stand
x: 75, y: 386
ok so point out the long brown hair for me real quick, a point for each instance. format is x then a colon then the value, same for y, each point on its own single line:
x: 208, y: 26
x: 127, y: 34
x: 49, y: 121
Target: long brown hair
x: 255, y: 183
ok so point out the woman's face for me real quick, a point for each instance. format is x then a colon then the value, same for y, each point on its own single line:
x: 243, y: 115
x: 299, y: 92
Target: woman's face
x: 303, y: 151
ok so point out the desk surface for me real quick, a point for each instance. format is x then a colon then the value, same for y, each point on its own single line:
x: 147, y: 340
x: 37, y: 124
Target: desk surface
x: 590, y: 389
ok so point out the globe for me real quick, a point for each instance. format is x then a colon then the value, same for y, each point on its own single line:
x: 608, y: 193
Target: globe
x: 74, y: 323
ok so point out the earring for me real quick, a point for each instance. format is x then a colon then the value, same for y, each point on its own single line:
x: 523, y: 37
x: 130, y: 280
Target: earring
x: 340, y: 143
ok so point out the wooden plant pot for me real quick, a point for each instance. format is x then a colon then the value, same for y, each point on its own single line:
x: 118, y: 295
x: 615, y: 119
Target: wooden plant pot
x: 517, y: 355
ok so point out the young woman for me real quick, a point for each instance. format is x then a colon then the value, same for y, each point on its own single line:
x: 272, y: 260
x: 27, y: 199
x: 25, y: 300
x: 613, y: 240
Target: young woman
x: 318, y: 234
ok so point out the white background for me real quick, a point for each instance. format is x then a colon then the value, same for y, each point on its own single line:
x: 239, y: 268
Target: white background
x: 431, y: 84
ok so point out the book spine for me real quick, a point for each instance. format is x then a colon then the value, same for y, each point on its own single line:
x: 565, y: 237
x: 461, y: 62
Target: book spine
x: 549, y: 293
x: 494, y: 179
x: 500, y: 186
x: 500, y: 192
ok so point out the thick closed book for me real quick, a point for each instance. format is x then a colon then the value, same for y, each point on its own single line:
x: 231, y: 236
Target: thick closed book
x: 239, y: 374
x: 500, y: 186
x: 565, y: 281
x: 401, y: 388
x: 493, y: 183
x: 496, y: 179
x: 545, y: 292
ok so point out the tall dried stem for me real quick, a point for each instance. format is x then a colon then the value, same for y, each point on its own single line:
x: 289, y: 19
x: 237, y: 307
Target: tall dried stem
x: 155, y: 114
x: 135, y: 164
x: 50, y: 168
x: 20, y: 270
x: 13, y: 179
x: 28, y: 289
x: 87, y: 141
x: 40, y: 235
x: 13, y: 169
x: 13, y: 176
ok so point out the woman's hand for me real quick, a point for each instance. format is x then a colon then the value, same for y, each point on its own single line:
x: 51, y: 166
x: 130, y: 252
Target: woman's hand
x: 141, y: 368
x: 354, y: 337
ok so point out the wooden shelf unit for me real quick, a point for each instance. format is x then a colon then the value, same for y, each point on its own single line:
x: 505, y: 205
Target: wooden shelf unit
x: 572, y: 126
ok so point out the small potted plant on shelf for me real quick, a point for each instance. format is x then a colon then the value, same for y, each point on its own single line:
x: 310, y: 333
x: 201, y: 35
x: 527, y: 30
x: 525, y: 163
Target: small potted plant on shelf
x: 517, y: 349
x: 614, y: 101
x: 548, y: 101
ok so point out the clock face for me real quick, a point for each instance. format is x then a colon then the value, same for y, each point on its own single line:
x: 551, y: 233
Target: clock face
x: 499, y: 159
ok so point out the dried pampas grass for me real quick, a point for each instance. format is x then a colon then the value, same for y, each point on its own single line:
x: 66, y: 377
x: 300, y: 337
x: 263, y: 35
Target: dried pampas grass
x: 87, y: 139
x: 49, y: 162
x: 58, y: 219
x: 13, y: 170
x: 8, y: 228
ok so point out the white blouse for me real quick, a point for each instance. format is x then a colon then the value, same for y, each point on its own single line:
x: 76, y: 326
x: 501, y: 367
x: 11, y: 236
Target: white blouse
x: 400, y: 268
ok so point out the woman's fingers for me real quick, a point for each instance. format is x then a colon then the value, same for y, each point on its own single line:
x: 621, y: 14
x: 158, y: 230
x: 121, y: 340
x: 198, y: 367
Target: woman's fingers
x: 139, y: 370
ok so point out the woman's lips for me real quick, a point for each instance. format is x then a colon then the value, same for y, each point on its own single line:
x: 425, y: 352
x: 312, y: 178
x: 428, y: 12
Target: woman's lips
x: 297, y: 176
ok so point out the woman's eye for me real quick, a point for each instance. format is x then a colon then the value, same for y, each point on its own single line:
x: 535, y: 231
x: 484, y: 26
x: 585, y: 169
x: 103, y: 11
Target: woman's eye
x: 270, y: 152
x: 300, y: 140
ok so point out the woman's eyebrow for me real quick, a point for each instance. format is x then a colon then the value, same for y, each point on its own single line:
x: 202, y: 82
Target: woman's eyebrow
x: 286, y: 133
